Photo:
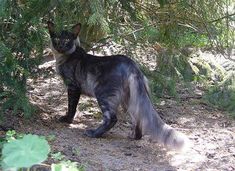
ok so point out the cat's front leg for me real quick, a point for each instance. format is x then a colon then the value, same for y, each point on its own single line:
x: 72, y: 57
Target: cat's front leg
x: 73, y: 98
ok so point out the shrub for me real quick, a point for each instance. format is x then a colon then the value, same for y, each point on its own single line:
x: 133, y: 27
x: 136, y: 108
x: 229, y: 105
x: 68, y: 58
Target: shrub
x: 222, y: 94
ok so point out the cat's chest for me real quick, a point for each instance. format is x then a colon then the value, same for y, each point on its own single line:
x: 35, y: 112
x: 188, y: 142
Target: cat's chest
x: 88, y: 84
x: 67, y: 72
x: 74, y: 75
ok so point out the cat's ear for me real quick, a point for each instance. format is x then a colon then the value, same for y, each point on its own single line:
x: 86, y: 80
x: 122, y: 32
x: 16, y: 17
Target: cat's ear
x: 76, y: 29
x: 51, y: 27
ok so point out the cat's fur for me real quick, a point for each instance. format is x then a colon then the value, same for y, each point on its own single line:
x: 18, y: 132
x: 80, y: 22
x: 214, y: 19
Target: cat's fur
x: 113, y: 80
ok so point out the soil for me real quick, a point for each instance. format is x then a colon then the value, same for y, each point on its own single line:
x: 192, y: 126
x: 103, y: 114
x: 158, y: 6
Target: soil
x: 210, y: 131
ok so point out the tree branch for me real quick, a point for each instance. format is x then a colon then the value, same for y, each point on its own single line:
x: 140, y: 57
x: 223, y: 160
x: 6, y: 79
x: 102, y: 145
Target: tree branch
x: 226, y: 16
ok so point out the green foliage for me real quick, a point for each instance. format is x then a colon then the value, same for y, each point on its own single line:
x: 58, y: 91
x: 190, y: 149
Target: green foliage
x: 24, y: 152
x: 21, y: 45
x: 162, y: 2
x: 10, y: 135
x: 174, y: 64
x: 63, y: 164
x: 162, y: 85
x: 51, y: 137
x: 207, y: 70
x: 171, y: 24
x: 57, y: 156
x: 66, y: 166
x: 222, y: 94
x: 172, y: 68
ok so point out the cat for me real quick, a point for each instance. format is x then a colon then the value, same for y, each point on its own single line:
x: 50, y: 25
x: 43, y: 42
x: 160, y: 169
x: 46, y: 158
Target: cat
x: 114, y: 81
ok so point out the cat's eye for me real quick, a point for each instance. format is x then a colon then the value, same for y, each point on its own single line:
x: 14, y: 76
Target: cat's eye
x: 66, y: 40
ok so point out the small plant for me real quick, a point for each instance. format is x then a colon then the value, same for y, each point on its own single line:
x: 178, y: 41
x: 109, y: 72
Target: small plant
x: 57, y: 156
x: 24, y: 152
x: 66, y: 166
x: 51, y: 138
x: 76, y: 151
x: 10, y: 135
x: 20, y: 152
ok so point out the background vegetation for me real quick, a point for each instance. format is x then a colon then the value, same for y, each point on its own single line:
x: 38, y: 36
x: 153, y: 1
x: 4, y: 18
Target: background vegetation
x: 170, y: 27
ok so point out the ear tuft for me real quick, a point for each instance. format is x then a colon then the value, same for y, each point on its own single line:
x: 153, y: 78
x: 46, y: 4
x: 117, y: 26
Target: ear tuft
x: 51, y: 27
x: 76, y: 29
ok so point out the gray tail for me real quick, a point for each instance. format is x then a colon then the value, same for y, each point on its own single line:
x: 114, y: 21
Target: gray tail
x: 146, y: 119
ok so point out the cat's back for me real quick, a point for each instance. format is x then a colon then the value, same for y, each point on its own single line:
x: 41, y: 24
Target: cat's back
x: 112, y: 60
x: 104, y: 65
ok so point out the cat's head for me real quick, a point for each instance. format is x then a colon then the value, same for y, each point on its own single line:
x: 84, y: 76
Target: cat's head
x: 64, y: 42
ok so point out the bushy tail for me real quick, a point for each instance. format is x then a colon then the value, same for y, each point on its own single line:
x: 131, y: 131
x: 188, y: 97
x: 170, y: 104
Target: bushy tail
x: 146, y: 119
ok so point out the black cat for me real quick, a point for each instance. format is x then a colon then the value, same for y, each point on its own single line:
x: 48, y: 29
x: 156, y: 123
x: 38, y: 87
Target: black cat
x: 113, y: 80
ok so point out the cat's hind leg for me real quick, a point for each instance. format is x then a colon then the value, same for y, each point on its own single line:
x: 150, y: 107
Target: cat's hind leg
x: 108, y: 103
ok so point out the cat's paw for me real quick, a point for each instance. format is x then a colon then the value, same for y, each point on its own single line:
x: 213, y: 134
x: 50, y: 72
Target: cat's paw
x: 65, y: 119
x: 91, y: 133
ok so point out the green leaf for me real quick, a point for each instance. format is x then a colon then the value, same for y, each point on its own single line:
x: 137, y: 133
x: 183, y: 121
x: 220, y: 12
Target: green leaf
x: 162, y: 2
x: 57, y: 156
x: 66, y: 166
x: 25, y: 152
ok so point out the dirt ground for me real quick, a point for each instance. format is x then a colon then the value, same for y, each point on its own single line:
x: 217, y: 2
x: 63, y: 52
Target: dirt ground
x: 211, y: 132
